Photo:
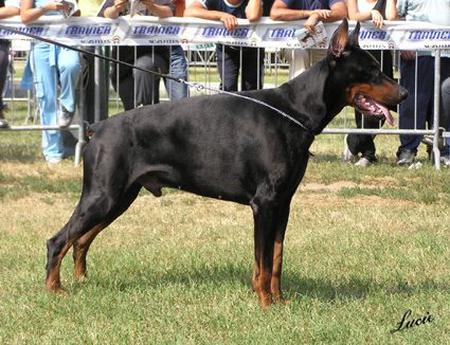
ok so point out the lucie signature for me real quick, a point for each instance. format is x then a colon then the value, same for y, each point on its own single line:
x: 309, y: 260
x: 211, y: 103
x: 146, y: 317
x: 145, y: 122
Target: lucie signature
x: 408, y: 322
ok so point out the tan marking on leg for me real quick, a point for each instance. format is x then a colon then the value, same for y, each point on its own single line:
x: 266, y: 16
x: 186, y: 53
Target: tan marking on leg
x: 53, y: 281
x: 275, y: 283
x: 263, y: 288
x: 254, y: 275
x: 80, y: 248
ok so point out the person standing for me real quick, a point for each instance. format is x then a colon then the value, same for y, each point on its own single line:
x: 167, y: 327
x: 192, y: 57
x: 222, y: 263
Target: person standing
x: 312, y: 11
x: 7, y: 9
x: 376, y: 11
x: 229, y: 57
x: 436, y: 12
x: 52, y: 66
x: 178, y: 63
x: 135, y: 87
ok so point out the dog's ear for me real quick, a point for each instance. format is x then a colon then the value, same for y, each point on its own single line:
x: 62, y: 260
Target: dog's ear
x: 354, y: 36
x: 339, y: 40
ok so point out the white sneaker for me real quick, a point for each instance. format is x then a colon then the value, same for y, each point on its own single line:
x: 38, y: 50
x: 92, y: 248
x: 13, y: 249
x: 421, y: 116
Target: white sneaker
x: 445, y: 161
x: 65, y: 117
x: 53, y: 160
x: 347, y: 156
x: 363, y: 162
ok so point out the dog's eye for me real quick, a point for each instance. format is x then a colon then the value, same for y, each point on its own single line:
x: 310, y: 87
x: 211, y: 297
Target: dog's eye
x: 376, y: 72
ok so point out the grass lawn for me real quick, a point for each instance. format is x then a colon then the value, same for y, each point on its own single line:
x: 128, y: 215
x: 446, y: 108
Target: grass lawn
x: 362, y: 247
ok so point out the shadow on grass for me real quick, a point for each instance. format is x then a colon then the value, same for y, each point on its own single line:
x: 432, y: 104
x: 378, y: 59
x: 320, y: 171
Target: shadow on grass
x: 229, y: 275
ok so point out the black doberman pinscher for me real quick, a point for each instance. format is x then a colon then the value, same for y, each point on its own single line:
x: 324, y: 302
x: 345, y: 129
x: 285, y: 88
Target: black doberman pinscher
x: 225, y: 147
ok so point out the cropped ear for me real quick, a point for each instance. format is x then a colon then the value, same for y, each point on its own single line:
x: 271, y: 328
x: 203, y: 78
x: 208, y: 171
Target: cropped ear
x: 339, y: 40
x: 354, y: 36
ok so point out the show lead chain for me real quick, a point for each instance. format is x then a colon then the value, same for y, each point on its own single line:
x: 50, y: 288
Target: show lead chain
x: 197, y: 86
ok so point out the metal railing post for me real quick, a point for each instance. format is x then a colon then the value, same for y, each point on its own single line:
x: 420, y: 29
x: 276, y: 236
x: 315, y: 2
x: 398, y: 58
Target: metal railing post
x: 437, y: 87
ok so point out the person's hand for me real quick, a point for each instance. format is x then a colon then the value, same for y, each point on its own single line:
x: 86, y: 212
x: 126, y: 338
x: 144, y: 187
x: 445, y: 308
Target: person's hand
x: 148, y: 3
x: 311, y: 22
x: 323, y: 14
x: 56, y: 6
x: 119, y: 5
x: 408, y: 54
x: 377, y: 18
x: 229, y: 21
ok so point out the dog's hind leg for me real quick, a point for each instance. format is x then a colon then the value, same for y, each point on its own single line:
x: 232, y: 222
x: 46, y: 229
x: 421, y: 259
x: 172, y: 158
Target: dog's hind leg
x: 81, y: 245
x: 94, y: 212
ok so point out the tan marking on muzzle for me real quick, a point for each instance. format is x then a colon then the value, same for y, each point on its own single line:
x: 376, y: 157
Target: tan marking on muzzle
x: 384, y: 93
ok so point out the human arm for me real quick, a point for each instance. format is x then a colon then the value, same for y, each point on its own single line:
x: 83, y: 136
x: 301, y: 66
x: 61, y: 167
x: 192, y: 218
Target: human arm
x: 254, y: 10
x: 391, y: 10
x: 161, y: 11
x: 196, y: 9
x: 8, y: 11
x: 338, y: 11
x: 114, y: 11
x: 374, y: 14
x: 281, y: 11
x: 29, y: 13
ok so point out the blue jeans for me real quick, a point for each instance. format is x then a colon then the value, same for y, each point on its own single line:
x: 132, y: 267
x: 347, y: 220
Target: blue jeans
x: 48, y: 62
x: 178, y: 69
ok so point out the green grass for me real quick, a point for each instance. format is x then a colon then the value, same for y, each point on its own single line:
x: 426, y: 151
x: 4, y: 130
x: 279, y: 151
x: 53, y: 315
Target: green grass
x: 362, y: 246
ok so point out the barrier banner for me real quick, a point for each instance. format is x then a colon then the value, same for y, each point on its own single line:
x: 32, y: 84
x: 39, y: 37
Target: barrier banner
x: 140, y: 30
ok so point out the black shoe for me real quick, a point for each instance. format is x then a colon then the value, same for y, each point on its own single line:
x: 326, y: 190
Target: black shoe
x: 406, y: 157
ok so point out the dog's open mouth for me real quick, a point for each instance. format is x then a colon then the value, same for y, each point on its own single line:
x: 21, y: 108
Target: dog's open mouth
x: 368, y: 106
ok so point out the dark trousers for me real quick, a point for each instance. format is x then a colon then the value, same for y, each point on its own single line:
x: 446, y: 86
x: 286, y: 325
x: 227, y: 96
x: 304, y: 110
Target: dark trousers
x: 445, y: 119
x: 4, y: 61
x: 228, y: 62
x: 363, y: 143
x: 137, y: 87
x: 425, y: 98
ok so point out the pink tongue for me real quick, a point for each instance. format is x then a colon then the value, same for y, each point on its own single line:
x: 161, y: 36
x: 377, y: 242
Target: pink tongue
x: 387, y: 114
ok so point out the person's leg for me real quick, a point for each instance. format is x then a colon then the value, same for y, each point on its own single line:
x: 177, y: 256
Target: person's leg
x: 179, y: 70
x: 69, y: 71
x: 364, y: 143
x: 425, y: 78
x: 252, y: 69
x: 147, y: 84
x: 228, y: 66
x: 4, y: 61
x: 44, y: 74
x: 126, y: 91
x: 445, y: 105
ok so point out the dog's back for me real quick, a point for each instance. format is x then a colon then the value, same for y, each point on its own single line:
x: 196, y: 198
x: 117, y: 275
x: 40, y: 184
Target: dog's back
x: 219, y: 146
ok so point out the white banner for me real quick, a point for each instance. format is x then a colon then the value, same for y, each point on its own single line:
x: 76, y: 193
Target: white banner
x: 139, y: 30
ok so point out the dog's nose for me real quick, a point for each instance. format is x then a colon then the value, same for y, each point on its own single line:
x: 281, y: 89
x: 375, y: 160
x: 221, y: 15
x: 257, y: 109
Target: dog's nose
x: 402, y: 92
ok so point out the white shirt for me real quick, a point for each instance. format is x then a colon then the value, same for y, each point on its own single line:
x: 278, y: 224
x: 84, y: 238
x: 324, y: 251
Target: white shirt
x: 364, y: 6
x: 12, y: 3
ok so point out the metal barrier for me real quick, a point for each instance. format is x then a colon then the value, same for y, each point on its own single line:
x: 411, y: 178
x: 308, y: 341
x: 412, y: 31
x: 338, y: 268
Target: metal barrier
x: 33, y: 109
x: 203, y: 69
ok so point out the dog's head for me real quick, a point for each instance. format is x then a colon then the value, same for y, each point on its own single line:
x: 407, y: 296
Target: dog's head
x: 367, y: 88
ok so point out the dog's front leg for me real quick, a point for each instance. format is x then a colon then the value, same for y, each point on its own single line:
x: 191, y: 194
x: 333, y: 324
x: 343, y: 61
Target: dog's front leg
x: 275, y: 283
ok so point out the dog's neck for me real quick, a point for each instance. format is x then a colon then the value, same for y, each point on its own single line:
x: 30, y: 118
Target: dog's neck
x: 315, y: 96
